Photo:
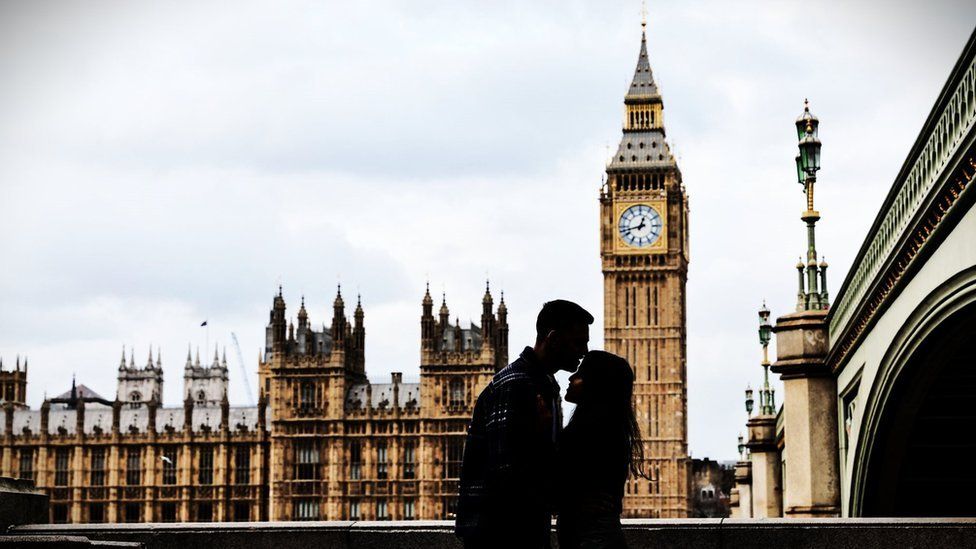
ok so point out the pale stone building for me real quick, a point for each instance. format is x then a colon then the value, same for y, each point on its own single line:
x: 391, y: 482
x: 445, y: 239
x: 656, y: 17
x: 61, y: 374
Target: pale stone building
x: 323, y: 442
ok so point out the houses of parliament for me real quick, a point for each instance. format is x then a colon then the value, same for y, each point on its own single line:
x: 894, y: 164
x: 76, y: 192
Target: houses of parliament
x: 326, y: 443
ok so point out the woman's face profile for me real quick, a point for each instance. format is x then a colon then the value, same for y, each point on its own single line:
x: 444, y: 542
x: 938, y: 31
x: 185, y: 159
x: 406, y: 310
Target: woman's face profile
x: 575, y: 390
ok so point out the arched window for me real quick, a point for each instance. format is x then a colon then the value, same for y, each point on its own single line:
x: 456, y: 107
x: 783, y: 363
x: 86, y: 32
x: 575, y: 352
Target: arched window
x: 308, y: 395
x: 135, y: 396
x: 457, y: 392
x: 201, y: 396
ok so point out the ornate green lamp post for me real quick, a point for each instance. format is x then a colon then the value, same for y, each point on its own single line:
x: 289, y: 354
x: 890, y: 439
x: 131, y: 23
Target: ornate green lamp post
x: 767, y: 398
x: 807, y: 166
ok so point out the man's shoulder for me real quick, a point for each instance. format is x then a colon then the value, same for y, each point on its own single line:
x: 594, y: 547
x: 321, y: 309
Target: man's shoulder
x: 515, y: 374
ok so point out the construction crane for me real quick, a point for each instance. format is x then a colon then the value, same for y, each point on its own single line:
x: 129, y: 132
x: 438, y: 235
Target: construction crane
x: 240, y: 362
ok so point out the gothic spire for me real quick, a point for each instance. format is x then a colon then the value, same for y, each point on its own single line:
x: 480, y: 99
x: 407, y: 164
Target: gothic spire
x: 302, y: 314
x: 643, y: 143
x: 339, y: 304
x: 643, y: 86
x: 445, y: 314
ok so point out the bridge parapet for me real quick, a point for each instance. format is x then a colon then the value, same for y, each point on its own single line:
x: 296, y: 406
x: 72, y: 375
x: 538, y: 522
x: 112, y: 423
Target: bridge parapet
x: 935, y: 175
x: 675, y: 534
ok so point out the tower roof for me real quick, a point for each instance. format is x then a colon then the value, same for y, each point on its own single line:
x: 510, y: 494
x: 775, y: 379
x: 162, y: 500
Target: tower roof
x: 643, y: 87
x: 643, y: 145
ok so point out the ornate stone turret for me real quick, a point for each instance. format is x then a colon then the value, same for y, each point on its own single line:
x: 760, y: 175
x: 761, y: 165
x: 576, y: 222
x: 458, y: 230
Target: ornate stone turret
x: 302, y: 316
x: 224, y: 413
x: 444, y: 313
x: 427, y: 325
x: 359, y: 331
x: 456, y: 361
x: 262, y: 411
x: 188, y: 415
x: 339, y: 320
x: 137, y: 386
x: 458, y: 335
x: 13, y: 384
x: 206, y: 385
x: 487, y: 318
x: 152, y: 407
x: 276, y: 327
x: 501, y: 360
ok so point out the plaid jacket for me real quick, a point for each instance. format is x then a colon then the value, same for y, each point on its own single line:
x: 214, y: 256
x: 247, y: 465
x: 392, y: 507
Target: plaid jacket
x: 508, y: 467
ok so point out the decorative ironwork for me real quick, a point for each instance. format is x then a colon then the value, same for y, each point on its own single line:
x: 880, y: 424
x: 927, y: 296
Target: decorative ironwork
x: 901, y: 262
x: 952, y: 119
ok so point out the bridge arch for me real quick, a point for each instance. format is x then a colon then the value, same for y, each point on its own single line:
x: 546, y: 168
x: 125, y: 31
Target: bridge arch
x: 920, y: 417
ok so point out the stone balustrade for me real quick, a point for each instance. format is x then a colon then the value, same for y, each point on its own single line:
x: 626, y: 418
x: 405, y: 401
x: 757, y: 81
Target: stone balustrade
x: 660, y: 533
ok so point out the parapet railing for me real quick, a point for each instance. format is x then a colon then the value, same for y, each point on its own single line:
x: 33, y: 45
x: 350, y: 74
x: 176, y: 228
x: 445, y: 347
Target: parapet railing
x: 659, y: 533
x: 951, y: 119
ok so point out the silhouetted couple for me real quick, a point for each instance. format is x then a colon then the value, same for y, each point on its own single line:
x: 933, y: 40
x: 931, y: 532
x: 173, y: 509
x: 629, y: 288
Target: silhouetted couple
x: 521, y: 467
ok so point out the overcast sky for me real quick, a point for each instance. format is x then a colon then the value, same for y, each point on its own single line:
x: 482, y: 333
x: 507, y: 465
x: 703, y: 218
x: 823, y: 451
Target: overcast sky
x: 166, y: 163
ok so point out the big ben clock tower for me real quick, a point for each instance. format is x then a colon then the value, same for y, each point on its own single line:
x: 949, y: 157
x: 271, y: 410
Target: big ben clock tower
x: 644, y: 252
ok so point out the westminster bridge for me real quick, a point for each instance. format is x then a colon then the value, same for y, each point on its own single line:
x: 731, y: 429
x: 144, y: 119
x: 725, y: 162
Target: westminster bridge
x: 880, y: 386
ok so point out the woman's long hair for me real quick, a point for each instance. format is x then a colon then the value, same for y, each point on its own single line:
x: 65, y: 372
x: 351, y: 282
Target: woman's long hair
x: 607, y: 404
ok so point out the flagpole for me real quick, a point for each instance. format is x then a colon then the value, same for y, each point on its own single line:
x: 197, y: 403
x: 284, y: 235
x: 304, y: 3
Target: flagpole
x: 206, y: 341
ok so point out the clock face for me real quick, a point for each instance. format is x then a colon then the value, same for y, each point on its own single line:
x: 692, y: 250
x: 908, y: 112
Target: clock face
x: 640, y: 226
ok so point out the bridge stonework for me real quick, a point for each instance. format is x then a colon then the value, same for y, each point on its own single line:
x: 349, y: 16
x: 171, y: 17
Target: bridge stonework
x: 880, y: 387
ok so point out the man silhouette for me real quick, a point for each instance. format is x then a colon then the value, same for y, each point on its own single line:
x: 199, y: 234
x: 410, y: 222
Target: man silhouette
x: 507, y: 473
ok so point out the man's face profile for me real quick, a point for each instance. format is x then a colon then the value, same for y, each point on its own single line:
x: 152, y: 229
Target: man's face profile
x: 568, y: 346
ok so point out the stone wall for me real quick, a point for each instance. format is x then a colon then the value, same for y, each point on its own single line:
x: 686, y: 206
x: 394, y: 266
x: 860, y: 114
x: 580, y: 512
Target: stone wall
x: 671, y: 534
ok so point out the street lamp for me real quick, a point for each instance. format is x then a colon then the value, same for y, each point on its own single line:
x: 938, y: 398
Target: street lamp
x: 749, y: 401
x: 765, y: 328
x: 806, y: 119
x: 767, y: 403
x: 742, y: 447
x: 807, y: 127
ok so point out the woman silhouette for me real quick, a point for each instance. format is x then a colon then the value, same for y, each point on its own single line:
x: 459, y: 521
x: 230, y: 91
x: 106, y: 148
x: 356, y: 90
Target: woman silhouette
x: 597, y: 450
